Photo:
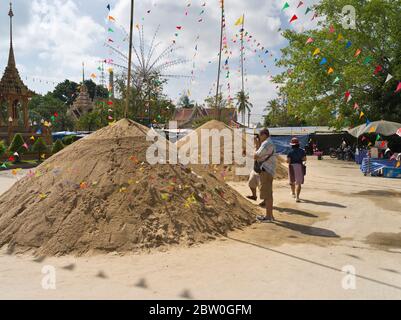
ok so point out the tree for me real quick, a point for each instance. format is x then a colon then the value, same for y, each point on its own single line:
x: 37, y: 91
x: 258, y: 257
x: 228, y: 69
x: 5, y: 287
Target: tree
x: 57, y: 146
x: 186, y: 102
x: 66, y: 91
x: 52, y: 109
x: 278, y: 115
x: 17, y: 146
x: 95, y: 91
x: 89, y: 121
x: 360, y: 60
x: 40, y: 148
x: 243, y: 104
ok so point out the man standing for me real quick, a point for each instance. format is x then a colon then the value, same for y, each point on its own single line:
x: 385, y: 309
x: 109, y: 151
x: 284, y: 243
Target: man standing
x: 266, y: 158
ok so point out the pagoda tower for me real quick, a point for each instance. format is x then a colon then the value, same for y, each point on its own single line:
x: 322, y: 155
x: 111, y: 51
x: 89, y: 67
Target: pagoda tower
x: 83, y: 104
x: 14, y: 94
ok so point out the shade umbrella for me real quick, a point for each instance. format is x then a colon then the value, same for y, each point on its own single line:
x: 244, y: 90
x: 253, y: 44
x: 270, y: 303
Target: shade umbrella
x: 384, y: 128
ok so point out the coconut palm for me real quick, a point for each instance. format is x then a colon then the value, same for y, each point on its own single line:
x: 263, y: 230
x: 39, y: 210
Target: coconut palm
x: 243, y: 104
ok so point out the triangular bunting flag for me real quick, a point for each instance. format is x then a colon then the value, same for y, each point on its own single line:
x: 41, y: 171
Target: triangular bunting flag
x: 317, y: 51
x: 286, y: 6
x: 294, y: 17
x: 389, y: 77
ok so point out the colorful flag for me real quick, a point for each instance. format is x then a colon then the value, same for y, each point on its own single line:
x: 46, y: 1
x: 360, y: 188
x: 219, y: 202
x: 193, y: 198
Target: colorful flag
x: 389, y: 77
x: 324, y: 61
x: 286, y: 6
x: 240, y: 21
x: 398, y: 88
x: 310, y: 40
x: 361, y: 115
x: 300, y: 4
x: 317, y: 51
x: 294, y: 17
x: 330, y: 71
x: 357, y: 53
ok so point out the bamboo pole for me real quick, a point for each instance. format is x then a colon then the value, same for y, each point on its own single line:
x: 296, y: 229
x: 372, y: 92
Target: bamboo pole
x: 129, y: 59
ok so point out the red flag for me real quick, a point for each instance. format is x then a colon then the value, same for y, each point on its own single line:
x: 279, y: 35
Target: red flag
x: 378, y: 69
x: 179, y: 27
x: 294, y: 17
x: 332, y: 30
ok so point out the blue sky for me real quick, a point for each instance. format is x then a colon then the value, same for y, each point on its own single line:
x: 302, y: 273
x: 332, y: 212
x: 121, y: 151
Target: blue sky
x: 53, y: 37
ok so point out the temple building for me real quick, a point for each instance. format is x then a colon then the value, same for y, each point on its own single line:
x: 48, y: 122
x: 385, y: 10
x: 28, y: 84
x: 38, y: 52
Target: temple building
x: 14, y: 97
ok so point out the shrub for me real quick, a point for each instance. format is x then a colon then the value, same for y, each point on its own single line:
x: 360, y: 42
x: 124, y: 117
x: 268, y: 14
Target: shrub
x: 67, y: 140
x: 17, y: 145
x: 39, y: 147
x: 57, y: 146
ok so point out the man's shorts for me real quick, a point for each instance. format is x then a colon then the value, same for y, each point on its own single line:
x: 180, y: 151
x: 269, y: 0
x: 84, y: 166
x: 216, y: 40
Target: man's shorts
x: 266, y: 190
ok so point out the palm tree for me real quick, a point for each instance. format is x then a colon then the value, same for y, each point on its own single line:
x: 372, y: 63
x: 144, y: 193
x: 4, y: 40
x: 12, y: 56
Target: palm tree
x: 243, y: 104
x: 186, y: 102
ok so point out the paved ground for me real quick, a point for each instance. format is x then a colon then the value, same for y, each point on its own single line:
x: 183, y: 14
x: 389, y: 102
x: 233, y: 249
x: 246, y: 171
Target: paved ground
x: 346, y: 221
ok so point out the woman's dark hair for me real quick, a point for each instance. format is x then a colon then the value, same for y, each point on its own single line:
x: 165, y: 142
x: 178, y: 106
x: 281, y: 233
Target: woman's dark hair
x: 265, y: 132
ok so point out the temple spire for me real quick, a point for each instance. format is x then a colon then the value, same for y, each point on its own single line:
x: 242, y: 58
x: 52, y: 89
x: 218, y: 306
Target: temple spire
x: 83, y: 72
x: 11, y: 58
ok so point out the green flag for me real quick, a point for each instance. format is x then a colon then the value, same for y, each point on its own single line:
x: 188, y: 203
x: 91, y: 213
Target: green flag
x: 367, y: 60
x: 378, y: 137
x: 308, y: 10
x: 111, y: 30
x: 286, y: 5
x: 336, y: 80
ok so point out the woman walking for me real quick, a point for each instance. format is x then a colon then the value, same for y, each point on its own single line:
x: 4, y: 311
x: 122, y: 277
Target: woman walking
x: 296, y: 168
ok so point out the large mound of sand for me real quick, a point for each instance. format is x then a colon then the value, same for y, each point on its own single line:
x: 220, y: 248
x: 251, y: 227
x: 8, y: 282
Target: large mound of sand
x: 100, y: 195
x: 223, y: 171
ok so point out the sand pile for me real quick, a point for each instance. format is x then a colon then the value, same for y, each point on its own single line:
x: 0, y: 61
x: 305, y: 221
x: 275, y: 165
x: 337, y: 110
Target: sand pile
x: 100, y: 195
x: 223, y: 171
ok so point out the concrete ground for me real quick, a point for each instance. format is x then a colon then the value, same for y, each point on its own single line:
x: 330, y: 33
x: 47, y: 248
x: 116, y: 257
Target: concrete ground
x: 346, y: 223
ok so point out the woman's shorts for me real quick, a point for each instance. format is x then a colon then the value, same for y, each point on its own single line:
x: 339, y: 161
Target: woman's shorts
x: 254, y: 180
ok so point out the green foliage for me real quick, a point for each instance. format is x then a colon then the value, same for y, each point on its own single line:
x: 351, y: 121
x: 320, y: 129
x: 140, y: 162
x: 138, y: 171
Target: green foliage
x: 147, y: 103
x: 45, y: 107
x: 67, y: 140
x: 57, y: 146
x: 243, y: 104
x: 3, y: 147
x: 17, y: 145
x: 90, y: 121
x: 309, y: 91
x: 66, y: 92
x: 278, y: 116
x: 186, y: 102
x: 39, y: 147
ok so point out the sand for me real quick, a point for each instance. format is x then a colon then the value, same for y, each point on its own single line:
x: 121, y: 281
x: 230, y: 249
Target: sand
x: 225, y: 172
x: 336, y: 225
x: 100, y: 195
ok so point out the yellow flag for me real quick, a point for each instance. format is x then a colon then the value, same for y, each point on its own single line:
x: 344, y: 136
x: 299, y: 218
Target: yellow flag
x: 361, y: 115
x: 331, y: 70
x: 239, y: 21
x: 317, y: 51
x: 340, y: 37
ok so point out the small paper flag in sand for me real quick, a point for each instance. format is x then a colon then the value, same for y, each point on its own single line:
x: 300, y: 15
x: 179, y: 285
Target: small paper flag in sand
x: 42, y: 196
x: 134, y: 159
x: 83, y: 185
x: 123, y: 189
x: 165, y: 196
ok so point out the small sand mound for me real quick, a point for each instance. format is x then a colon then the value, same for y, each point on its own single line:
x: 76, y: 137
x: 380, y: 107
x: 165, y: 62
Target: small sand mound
x: 223, y: 171
x: 100, y: 195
